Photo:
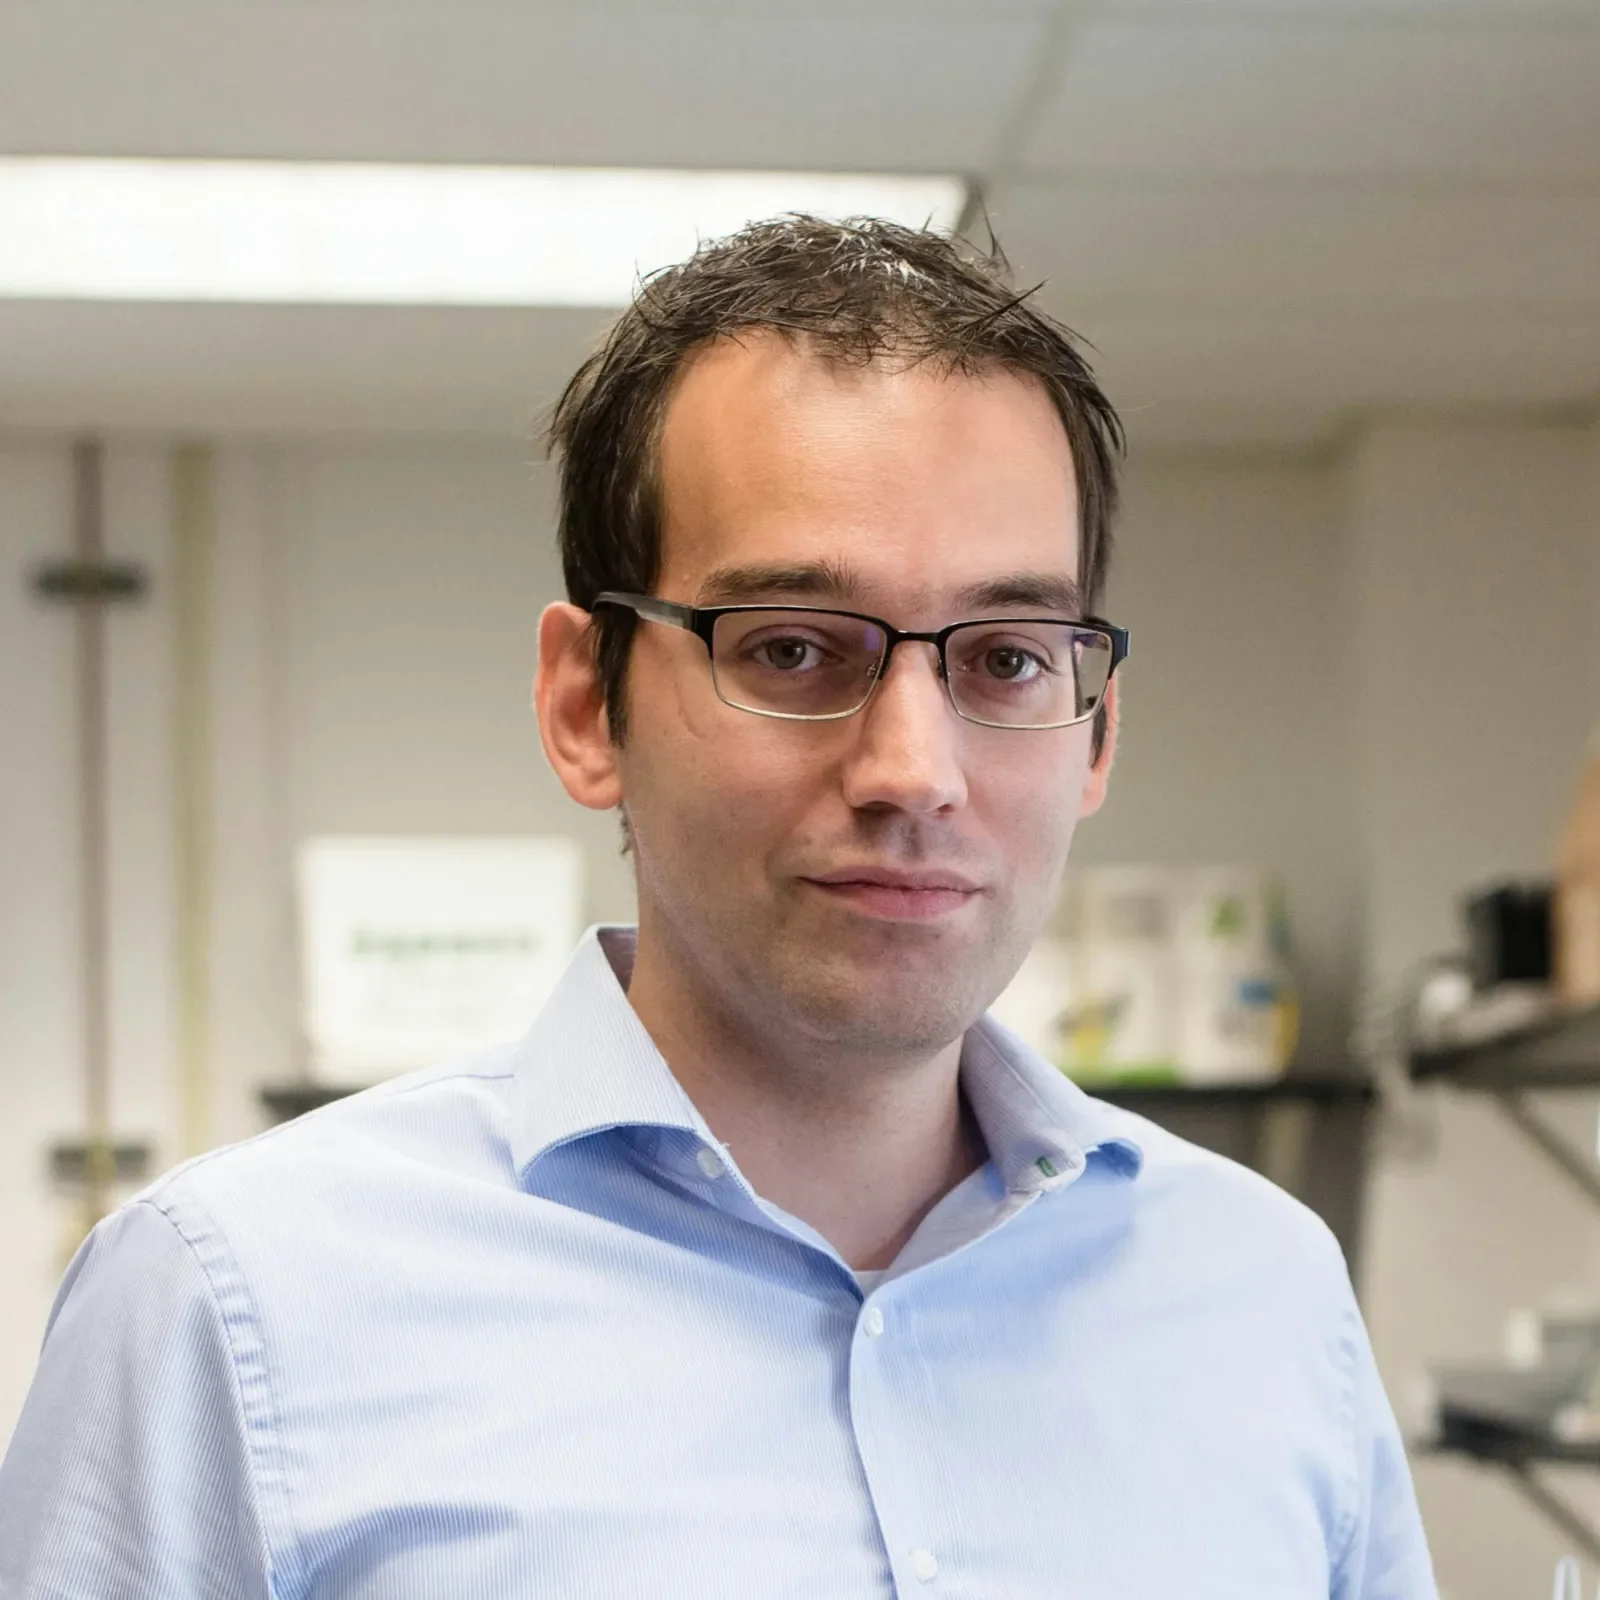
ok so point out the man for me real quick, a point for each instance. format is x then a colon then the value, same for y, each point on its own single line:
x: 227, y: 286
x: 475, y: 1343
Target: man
x: 763, y: 1265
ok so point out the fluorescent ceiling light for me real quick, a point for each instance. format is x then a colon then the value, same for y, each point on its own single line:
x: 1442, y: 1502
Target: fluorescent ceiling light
x: 335, y: 233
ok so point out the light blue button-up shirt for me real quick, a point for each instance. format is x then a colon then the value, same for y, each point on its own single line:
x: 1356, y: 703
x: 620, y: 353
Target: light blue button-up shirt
x: 519, y: 1327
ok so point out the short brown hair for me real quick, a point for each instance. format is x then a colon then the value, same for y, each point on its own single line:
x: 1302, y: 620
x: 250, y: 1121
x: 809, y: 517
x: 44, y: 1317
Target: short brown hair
x: 853, y: 291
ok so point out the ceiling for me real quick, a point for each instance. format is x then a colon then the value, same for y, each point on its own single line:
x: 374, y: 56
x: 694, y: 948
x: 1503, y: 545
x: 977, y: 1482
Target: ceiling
x: 1267, y: 217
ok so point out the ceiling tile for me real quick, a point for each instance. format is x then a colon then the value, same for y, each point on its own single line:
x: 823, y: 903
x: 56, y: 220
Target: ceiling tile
x: 1297, y: 246
x: 1225, y: 96
x: 508, y: 83
x: 1469, y: 13
x: 297, y: 369
x: 1184, y: 380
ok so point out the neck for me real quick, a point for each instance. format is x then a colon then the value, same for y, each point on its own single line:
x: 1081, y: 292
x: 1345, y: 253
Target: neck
x: 860, y: 1147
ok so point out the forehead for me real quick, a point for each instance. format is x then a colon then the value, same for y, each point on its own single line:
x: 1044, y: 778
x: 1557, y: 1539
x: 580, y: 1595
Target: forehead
x: 922, y: 483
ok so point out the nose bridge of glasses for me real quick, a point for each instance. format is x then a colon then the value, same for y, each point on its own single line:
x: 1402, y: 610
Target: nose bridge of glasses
x: 898, y: 705
x: 934, y: 641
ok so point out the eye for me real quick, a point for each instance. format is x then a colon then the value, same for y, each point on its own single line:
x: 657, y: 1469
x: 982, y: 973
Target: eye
x: 1009, y: 663
x: 788, y: 653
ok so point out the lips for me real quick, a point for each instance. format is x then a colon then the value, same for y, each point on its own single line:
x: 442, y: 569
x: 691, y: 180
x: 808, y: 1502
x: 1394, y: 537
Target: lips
x: 902, y: 896
x: 889, y: 878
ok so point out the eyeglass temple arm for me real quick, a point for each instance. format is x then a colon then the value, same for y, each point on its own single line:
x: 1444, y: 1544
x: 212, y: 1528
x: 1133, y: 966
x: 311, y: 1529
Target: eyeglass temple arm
x: 1119, y: 638
x: 650, y: 608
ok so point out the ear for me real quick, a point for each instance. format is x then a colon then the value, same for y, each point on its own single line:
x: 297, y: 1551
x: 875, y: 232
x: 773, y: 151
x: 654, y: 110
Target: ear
x: 572, y: 710
x: 1099, y: 774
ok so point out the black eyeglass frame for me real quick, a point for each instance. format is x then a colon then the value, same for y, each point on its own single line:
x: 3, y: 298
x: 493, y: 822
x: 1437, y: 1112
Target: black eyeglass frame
x: 702, y: 621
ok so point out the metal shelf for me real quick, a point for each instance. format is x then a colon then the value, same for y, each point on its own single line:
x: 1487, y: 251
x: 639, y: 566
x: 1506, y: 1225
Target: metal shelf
x: 1316, y: 1088
x: 1562, y: 1052
x: 285, y: 1101
x: 1484, y: 1442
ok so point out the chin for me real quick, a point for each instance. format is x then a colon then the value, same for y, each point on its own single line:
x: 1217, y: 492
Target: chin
x: 888, y: 1007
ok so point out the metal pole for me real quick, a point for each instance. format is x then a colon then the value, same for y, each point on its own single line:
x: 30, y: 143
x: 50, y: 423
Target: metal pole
x: 1555, y: 1508
x: 1580, y: 1168
x: 88, y: 504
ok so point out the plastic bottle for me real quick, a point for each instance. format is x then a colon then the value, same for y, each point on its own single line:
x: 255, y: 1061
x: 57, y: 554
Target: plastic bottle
x: 1578, y: 891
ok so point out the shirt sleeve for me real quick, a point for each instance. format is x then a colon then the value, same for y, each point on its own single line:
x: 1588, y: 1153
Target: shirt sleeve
x: 1386, y: 1552
x: 129, y: 1472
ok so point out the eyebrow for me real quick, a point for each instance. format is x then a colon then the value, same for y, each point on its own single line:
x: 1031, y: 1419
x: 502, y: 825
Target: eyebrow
x: 1049, y: 591
x: 835, y: 580
x: 831, y: 580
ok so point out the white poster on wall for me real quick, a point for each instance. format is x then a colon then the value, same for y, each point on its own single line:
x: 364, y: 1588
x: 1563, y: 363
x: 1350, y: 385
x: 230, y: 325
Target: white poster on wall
x: 415, y: 950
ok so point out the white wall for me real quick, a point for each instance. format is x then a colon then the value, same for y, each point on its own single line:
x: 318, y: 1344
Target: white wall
x: 373, y: 677
x: 1231, y: 574
x: 39, y: 924
x: 1307, y: 689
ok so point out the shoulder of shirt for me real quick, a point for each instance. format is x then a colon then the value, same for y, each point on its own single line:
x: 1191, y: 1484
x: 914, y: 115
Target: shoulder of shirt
x: 452, y: 1118
x: 1211, y: 1200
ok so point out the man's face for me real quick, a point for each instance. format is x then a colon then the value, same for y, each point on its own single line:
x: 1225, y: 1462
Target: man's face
x: 899, y: 492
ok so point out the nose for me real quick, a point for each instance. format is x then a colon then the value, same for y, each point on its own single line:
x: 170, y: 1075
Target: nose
x: 906, y: 752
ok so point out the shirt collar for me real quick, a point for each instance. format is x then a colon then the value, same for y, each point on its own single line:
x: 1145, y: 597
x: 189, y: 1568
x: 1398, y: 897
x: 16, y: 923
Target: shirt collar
x: 1040, y: 1127
x: 588, y: 1065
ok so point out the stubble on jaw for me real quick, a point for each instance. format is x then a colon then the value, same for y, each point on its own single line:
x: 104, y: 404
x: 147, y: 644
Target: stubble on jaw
x: 855, y: 989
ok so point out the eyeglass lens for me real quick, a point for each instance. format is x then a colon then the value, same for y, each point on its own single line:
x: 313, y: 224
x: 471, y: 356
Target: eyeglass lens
x: 823, y: 664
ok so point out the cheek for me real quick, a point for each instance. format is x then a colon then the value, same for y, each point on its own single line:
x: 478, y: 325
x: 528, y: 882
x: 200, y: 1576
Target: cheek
x: 1032, y: 803
x: 725, y: 787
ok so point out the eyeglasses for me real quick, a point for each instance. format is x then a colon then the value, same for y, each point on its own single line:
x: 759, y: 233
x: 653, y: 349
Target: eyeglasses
x: 807, y: 664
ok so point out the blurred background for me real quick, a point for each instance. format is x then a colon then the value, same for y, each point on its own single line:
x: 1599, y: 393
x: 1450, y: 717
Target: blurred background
x: 273, y: 556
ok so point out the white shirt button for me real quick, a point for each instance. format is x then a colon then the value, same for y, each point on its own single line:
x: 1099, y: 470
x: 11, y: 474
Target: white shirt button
x: 924, y: 1565
x: 872, y: 1322
x: 710, y: 1162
